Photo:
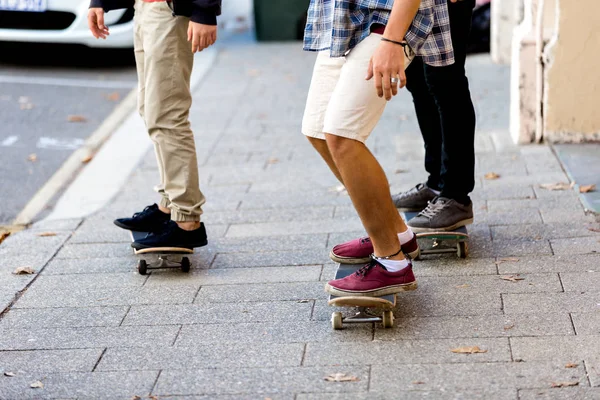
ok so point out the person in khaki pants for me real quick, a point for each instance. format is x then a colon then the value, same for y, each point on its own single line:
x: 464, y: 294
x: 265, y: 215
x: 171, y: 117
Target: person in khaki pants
x: 164, y: 59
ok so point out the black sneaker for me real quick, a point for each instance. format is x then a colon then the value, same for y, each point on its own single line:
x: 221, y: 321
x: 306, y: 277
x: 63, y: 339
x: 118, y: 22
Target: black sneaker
x: 149, y: 220
x: 415, y: 199
x: 173, y: 236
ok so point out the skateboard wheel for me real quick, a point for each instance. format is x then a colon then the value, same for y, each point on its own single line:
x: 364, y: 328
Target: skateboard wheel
x: 185, y: 264
x: 142, y: 267
x: 462, y: 249
x: 388, y: 319
x: 337, y: 320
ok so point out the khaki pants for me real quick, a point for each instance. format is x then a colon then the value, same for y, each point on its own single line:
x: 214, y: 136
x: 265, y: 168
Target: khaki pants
x: 164, y: 65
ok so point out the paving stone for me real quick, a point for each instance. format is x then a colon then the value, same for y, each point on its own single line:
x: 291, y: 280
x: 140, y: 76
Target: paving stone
x: 34, y: 318
x: 485, y: 376
x: 59, y: 266
x: 255, y: 216
x: 506, y: 394
x: 581, y: 281
x: 490, y: 284
x: 56, y: 225
x: 478, y: 326
x: 259, y: 380
x: 541, y: 231
x: 581, y: 245
x: 274, y: 200
x: 87, y: 281
x: 216, y: 313
x: 103, y: 296
x: 570, y: 349
x: 558, y: 215
x: 69, y: 338
x: 214, y: 355
x: 507, y: 248
x: 296, y: 291
x: 424, y: 351
x: 100, y: 231
x: 510, y: 217
x: 522, y: 180
x: 551, y: 302
x: 294, y: 227
x: 571, y: 393
x: 563, y: 203
x: 96, y: 250
x: 21, y: 243
x: 504, y: 192
x: 586, y: 323
x: 52, y: 361
x: 270, y: 243
x: 542, y: 264
x: 251, y: 396
x: 97, y: 385
x: 287, y: 329
x: 36, y: 261
x: 272, y: 258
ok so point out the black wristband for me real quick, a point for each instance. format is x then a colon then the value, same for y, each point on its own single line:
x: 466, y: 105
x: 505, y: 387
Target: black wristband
x: 403, y: 44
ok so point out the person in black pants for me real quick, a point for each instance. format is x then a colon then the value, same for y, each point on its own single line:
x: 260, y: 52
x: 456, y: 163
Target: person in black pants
x: 447, y: 121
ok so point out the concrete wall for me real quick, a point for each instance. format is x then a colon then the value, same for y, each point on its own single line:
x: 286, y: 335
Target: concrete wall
x: 572, y: 81
x: 506, y: 14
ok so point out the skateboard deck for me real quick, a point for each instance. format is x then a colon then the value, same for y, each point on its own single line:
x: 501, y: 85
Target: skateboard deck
x: 455, y: 241
x: 160, y: 257
x: 385, y: 303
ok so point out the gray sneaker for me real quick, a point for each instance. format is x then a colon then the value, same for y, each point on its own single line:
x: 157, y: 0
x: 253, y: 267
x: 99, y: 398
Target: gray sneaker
x: 442, y: 214
x: 415, y: 199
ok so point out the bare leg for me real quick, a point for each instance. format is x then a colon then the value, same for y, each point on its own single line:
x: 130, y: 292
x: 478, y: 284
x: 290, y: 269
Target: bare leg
x: 321, y: 146
x: 369, y: 190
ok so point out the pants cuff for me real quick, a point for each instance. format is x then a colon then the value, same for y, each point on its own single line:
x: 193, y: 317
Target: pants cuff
x: 178, y: 216
x: 164, y: 202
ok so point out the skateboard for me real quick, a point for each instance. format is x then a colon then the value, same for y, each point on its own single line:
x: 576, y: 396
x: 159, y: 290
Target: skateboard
x: 458, y: 238
x: 385, y: 303
x: 160, y: 257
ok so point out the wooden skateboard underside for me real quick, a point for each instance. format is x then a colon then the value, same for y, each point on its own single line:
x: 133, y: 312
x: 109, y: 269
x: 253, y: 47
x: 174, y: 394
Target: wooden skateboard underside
x: 157, y: 250
x: 161, y: 257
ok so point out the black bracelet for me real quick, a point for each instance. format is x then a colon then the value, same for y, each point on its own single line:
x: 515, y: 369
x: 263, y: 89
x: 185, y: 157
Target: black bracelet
x: 403, y: 44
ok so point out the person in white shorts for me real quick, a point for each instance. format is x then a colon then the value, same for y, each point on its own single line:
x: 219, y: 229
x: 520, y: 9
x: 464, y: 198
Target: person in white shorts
x: 364, y: 47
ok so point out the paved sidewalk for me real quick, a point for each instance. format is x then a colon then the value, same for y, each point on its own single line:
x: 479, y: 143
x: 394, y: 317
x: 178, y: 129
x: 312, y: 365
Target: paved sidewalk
x: 251, y: 320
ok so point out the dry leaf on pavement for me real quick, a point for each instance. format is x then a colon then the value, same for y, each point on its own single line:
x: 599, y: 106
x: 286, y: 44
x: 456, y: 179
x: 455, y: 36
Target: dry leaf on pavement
x: 557, y: 186
x: 46, y: 234
x: 37, y: 385
x: 490, y: 176
x: 594, y: 229
x: 339, y: 377
x: 418, y: 383
x: 571, y: 365
x: 273, y: 160
x: 506, y: 259
x: 466, y: 285
x: 136, y: 398
x: 87, y: 159
x: 32, y: 157
x: 401, y: 171
x: 114, y: 96
x: 4, y: 235
x: 512, y: 278
x: 76, y: 118
x: 11, y: 374
x: 468, y: 350
x: 587, y: 188
x: 24, y: 271
x: 509, y: 327
x: 564, y: 384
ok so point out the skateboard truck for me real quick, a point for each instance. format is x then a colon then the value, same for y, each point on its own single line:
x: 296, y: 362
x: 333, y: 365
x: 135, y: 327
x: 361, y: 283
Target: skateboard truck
x: 362, y: 317
x: 164, y: 261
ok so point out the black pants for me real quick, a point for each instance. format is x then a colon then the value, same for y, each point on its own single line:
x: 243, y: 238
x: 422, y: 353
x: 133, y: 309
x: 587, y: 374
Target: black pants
x: 445, y: 112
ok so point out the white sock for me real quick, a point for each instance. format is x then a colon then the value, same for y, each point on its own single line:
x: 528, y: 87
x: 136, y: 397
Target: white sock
x: 394, y: 265
x: 405, y: 236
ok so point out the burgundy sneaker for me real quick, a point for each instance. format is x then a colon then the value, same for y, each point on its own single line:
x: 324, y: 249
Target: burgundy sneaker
x: 373, y: 280
x: 358, y: 251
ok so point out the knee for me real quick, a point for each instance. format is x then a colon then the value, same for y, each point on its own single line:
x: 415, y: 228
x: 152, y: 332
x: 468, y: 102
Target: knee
x: 339, y: 146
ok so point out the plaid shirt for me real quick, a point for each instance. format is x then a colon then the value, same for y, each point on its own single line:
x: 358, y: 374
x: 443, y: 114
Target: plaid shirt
x: 428, y: 36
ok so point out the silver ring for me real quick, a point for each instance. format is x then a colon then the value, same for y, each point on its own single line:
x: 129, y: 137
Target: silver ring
x: 394, y: 80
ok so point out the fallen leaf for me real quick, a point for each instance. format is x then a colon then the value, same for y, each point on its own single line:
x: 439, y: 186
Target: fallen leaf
x: 76, y: 118
x: 136, y: 398
x: 4, y: 235
x: 418, y: 383
x: 339, y: 377
x: 24, y: 271
x: 32, y: 157
x: 46, y: 234
x: 273, y: 160
x: 466, y: 285
x: 557, y: 186
x: 152, y: 397
x: 571, y: 365
x: 564, y: 384
x: 506, y: 259
x: 401, y: 171
x: 9, y: 374
x: 512, y: 278
x: 87, y: 159
x: 587, y: 188
x: 490, y: 176
x: 37, y: 385
x: 302, y: 301
x: 509, y: 327
x: 594, y: 229
x: 468, y: 350
x: 114, y: 96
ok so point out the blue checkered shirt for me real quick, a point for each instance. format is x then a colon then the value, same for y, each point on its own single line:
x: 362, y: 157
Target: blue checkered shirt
x: 428, y: 36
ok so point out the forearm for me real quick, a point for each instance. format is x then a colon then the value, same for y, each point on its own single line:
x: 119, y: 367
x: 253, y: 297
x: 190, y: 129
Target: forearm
x: 403, y: 13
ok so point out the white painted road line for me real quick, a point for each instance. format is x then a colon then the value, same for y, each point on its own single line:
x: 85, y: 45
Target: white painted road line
x: 59, y: 144
x: 86, y: 83
x: 111, y: 167
x: 9, y: 141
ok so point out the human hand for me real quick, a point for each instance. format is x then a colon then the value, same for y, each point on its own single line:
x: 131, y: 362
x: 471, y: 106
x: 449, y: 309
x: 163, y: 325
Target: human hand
x: 201, y: 36
x: 387, y: 63
x: 96, y: 23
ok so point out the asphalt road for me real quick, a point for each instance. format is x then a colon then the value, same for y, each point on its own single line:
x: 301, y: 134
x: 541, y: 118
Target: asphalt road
x: 51, y: 99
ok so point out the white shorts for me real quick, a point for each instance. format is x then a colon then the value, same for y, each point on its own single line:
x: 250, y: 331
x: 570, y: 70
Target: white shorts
x: 340, y: 101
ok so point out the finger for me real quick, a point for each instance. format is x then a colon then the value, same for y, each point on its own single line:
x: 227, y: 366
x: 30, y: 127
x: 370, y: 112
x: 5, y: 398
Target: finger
x: 378, y: 83
x: 402, y: 79
x: 203, y: 42
x: 387, y: 85
x: 213, y: 38
x: 195, y: 42
x: 394, y: 86
x: 369, y: 70
x: 100, y: 16
x: 189, y: 32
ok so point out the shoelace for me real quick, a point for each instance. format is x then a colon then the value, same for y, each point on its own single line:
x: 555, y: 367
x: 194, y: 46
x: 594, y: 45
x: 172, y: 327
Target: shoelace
x: 362, y: 272
x: 433, y: 208
x: 365, y: 240
x: 411, y: 192
x: 148, y: 208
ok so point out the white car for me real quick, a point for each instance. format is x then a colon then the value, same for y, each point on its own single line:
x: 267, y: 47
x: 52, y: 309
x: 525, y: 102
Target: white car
x: 61, y: 21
